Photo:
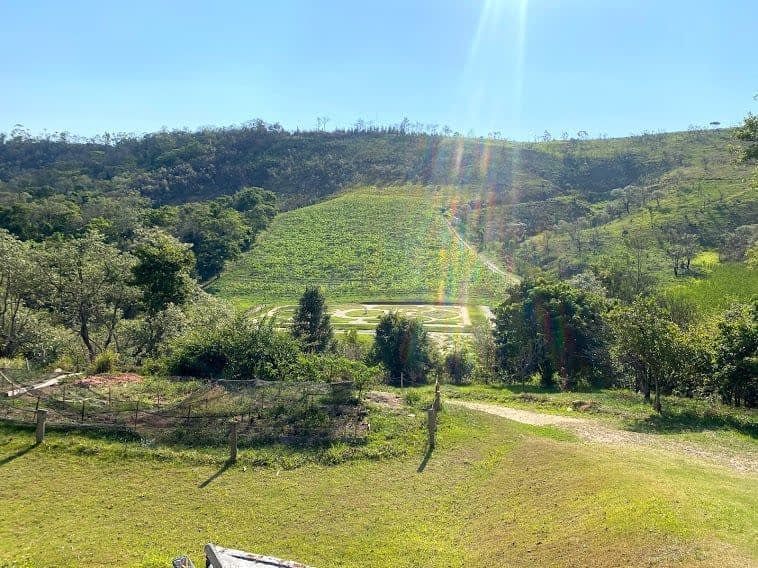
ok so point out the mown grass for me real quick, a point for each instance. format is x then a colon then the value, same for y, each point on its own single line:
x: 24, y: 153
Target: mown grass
x: 368, y: 245
x: 492, y: 493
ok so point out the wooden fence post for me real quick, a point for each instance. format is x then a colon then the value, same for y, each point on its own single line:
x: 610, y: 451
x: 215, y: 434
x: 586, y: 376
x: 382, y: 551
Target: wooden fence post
x: 437, y: 396
x: 432, y: 426
x: 41, y: 419
x: 233, y: 441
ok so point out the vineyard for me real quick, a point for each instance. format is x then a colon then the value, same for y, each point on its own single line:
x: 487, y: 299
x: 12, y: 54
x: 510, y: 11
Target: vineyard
x: 370, y: 244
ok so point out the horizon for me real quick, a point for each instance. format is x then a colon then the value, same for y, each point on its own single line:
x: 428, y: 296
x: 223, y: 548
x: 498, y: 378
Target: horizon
x: 513, y: 67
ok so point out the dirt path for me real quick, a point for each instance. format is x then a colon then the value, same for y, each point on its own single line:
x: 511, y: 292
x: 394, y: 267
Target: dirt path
x: 488, y: 263
x: 595, y: 432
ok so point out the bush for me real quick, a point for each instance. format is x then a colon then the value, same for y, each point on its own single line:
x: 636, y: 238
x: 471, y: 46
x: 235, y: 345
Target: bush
x: 105, y: 362
x: 458, y: 366
x: 238, y: 348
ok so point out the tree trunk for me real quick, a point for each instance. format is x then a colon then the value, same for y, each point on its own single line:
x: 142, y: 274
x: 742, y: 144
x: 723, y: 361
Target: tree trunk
x: 657, y: 404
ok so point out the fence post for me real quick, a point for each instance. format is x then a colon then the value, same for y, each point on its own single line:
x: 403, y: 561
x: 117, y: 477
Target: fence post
x: 41, y: 419
x: 437, y: 396
x: 83, y: 403
x: 431, y: 423
x: 233, y: 441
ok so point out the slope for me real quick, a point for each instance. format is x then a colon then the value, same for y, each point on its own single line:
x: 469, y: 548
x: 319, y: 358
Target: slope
x: 389, y: 244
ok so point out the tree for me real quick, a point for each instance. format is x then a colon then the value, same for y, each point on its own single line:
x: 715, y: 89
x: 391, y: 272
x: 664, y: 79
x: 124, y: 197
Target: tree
x: 311, y: 325
x: 163, y: 270
x: 216, y: 233
x: 737, y: 356
x: 85, y: 283
x: 550, y: 327
x: 402, y: 346
x: 17, y: 276
x: 458, y: 366
x: 748, y: 133
x: 648, y: 346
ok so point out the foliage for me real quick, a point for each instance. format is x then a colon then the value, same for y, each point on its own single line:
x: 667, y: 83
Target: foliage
x: 104, y: 362
x: 239, y: 348
x: 649, y: 346
x: 550, y: 327
x: 737, y: 356
x: 402, y: 346
x: 748, y: 133
x: 84, y: 283
x: 162, y: 270
x: 458, y: 366
x: 311, y: 324
x: 369, y: 244
x: 216, y: 233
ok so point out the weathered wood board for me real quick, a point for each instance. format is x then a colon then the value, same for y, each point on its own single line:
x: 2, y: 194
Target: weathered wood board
x: 219, y: 557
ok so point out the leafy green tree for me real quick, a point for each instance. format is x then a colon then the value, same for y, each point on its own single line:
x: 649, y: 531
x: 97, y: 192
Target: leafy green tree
x: 257, y: 205
x: 162, y: 270
x: 648, y: 345
x: 402, y: 346
x: 85, y: 284
x: 737, y: 356
x: 550, y: 327
x: 311, y: 325
x: 458, y: 366
x: 216, y: 232
x: 17, y: 276
x: 748, y: 133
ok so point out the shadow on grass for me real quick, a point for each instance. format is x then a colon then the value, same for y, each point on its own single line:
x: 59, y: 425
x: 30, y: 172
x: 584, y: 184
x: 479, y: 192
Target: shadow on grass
x: 18, y: 454
x: 219, y: 473
x: 427, y: 457
x: 671, y: 422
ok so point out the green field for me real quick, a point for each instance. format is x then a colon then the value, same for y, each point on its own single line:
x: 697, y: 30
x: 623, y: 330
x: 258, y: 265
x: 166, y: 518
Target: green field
x: 722, y: 286
x: 366, y: 245
x: 494, y: 492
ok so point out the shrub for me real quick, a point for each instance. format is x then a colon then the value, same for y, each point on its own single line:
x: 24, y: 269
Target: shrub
x: 237, y: 348
x: 458, y: 366
x: 104, y: 362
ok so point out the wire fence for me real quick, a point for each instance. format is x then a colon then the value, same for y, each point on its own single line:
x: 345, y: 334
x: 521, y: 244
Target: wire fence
x: 263, y: 411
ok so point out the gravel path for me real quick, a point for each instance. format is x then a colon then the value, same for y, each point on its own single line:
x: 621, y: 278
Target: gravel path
x: 593, y: 431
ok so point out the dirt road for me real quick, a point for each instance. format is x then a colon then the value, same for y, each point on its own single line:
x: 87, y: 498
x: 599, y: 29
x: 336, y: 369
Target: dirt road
x: 594, y: 431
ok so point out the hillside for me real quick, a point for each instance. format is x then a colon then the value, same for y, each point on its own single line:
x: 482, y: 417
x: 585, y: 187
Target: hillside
x: 368, y: 244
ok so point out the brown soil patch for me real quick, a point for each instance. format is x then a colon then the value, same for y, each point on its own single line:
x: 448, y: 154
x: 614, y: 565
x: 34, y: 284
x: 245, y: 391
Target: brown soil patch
x: 108, y: 379
x: 386, y: 399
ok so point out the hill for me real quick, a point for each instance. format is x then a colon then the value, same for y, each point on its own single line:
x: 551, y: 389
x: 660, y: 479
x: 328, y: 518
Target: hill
x: 368, y: 244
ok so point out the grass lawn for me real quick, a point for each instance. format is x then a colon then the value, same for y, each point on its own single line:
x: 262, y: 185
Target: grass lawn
x: 494, y: 493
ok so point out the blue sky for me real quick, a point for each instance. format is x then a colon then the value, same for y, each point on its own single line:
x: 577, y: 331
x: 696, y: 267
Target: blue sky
x: 512, y: 66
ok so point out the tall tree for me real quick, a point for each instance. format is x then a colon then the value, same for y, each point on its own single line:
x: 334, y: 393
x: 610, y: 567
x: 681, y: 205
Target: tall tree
x: 163, y: 270
x: 311, y: 325
x: 648, y: 345
x: 85, y: 283
x: 402, y: 346
x: 550, y: 327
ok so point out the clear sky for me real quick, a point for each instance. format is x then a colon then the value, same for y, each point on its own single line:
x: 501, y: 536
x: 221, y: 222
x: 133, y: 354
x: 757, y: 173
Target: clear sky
x: 518, y: 67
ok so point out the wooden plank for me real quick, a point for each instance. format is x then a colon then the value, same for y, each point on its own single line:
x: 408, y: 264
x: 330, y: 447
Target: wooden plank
x: 48, y: 383
x: 219, y: 557
x: 24, y: 390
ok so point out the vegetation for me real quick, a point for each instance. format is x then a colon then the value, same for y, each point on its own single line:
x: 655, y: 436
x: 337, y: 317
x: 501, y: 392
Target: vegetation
x: 489, y: 494
x: 552, y: 328
x: 402, y: 346
x: 311, y: 325
x: 370, y: 244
